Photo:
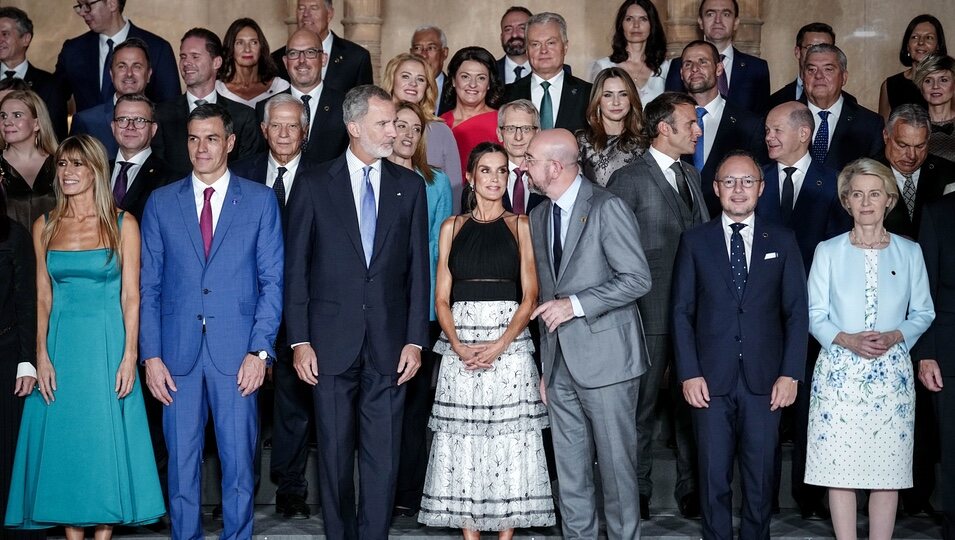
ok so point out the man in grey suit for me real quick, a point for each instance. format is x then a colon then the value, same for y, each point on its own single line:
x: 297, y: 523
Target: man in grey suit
x: 665, y: 195
x: 591, y: 270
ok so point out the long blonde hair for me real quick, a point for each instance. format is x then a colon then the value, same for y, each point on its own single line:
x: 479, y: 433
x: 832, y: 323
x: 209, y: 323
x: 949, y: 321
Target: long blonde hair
x: 92, y: 153
x: 430, y: 98
x: 46, y: 137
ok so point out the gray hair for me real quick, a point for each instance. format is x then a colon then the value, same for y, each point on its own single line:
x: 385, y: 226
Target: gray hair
x: 911, y: 114
x: 355, y: 106
x: 523, y: 105
x: 285, y: 99
x: 545, y: 17
x: 827, y: 48
x: 802, y: 117
x: 431, y: 28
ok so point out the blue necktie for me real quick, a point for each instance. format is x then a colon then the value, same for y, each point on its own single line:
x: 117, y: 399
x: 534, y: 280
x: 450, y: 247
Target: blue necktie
x: 698, y: 151
x: 369, y: 216
x: 558, y: 249
x: 738, y: 258
x: 106, y: 85
x: 547, y: 108
x: 820, y: 145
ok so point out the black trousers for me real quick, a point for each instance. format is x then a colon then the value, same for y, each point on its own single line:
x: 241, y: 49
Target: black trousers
x: 944, y: 402
x: 292, y: 419
x: 805, y: 495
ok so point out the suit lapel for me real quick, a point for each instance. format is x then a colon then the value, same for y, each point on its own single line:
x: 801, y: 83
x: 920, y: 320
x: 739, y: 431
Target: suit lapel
x: 757, y: 258
x: 540, y: 228
x: 230, y: 207
x: 190, y: 217
x: 569, y: 97
x: 343, y: 201
x: 663, y: 185
x: 322, y: 110
x: 335, y: 60
x: 389, y: 199
x: 578, y: 220
x: 809, y: 192
x: 769, y: 201
x: 721, y: 260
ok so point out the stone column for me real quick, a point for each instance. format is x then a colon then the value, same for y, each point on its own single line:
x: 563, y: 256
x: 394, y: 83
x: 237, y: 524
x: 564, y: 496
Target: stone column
x: 682, y: 27
x: 291, y: 9
x: 362, y: 24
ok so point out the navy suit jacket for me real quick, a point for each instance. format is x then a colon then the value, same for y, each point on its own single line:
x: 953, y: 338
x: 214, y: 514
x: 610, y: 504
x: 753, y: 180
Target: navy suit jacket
x: 817, y: 213
x: 858, y: 133
x: 572, y: 111
x: 152, y: 175
x: 232, y: 300
x: 96, y: 121
x: 349, y: 65
x: 45, y: 85
x: 77, y: 69
x: 934, y: 174
x: 938, y: 342
x: 327, y: 137
x: 333, y: 299
x: 256, y: 168
x: 749, y: 82
x: 719, y: 336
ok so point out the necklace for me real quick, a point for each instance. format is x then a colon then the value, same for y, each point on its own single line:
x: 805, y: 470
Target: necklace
x: 479, y: 220
x: 884, y: 239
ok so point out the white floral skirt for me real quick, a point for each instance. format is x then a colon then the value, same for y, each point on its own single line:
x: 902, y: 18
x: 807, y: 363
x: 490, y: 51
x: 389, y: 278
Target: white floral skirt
x: 861, y: 420
x: 487, y: 469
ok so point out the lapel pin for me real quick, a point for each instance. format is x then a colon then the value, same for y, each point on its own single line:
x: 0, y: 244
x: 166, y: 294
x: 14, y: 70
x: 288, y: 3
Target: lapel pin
x: 583, y: 219
x: 818, y: 182
x: 765, y: 235
x: 327, y: 108
x: 338, y: 59
x: 399, y: 194
x: 742, y: 64
x: 235, y: 202
x: 573, y: 91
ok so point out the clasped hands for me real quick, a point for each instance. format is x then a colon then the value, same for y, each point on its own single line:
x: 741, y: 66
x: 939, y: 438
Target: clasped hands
x: 869, y: 343
x: 479, y: 355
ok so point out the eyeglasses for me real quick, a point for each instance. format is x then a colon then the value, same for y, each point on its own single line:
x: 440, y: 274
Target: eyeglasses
x: 730, y: 182
x: 525, y: 130
x: 311, y: 54
x: 430, y: 49
x: 137, y: 122
x: 81, y: 8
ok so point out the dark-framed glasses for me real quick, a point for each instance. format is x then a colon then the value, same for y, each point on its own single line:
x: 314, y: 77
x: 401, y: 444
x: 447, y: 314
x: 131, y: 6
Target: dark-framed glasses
x: 84, y: 7
x: 137, y: 122
x: 311, y: 54
x: 525, y: 130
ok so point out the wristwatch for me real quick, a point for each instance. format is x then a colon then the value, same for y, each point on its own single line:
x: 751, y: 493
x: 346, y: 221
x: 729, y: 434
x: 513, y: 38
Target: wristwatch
x: 262, y: 355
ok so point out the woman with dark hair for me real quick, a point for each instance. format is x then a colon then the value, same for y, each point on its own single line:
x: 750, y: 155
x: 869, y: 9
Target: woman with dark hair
x: 84, y: 457
x: 935, y: 76
x: 487, y: 469
x: 475, y: 93
x: 614, y: 133
x: 26, y: 164
x: 248, y: 74
x: 923, y: 36
x: 639, y: 47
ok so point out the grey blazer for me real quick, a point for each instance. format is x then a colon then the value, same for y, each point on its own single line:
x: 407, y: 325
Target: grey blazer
x: 603, y: 264
x: 663, y: 217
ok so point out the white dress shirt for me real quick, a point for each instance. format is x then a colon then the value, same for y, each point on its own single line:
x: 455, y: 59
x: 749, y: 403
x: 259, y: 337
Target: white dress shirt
x: 117, y: 38
x: 137, y: 164
x: 900, y: 181
x: 512, y: 181
x: 802, y: 167
x: 509, y: 66
x: 665, y: 161
x: 221, y: 187
x: 19, y: 72
x: 439, y: 82
x: 327, y: 47
x: 566, y: 204
x: 290, y: 169
x: 711, y: 123
x: 834, y: 113
x: 191, y: 99
x: 746, y: 232
x: 315, y: 94
x: 357, y: 175
x: 728, y: 55
x: 556, y: 87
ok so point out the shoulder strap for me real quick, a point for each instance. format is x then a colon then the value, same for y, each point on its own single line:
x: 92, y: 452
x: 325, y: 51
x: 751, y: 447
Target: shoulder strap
x: 454, y: 225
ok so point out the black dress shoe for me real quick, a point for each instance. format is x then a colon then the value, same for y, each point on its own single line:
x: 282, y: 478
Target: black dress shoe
x: 217, y: 512
x: 644, y: 507
x: 814, y: 512
x: 295, y: 507
x: 690, y: 505
x: 403, y: 511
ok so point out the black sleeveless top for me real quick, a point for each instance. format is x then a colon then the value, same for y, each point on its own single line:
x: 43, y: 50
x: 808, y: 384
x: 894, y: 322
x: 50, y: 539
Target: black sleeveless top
x: 902, y: 91
x: 485, y: 263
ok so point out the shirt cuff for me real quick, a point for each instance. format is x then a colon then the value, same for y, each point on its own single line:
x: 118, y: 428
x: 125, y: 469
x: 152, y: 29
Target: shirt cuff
x: 26, y: 369
x: 299, y: 343
x: 578, y: 309
x: 418, y: 346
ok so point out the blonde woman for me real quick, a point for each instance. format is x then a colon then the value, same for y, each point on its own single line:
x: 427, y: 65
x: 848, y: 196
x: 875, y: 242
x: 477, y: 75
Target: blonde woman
x: 26, y: 164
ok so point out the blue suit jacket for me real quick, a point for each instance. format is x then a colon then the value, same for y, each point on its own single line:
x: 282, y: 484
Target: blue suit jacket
x: 97, y: 121
x: 237, y: 291
x: 334, y: 300
x: 817, y: 213
x: 749, y: 82
x: 77, y: 69
x: 719, y: 336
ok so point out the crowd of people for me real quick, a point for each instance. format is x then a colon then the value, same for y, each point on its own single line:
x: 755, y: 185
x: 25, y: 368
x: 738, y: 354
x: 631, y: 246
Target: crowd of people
x: 534, y: 267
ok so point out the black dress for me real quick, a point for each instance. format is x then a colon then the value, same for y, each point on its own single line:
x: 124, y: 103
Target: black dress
x: 26, y: 204
x: 901, y: 91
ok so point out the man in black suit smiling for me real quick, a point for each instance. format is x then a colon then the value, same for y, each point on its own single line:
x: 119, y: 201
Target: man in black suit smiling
x: 137, y: 171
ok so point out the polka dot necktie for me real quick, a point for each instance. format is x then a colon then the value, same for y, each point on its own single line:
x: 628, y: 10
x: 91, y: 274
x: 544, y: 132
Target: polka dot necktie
x: 738, y: 258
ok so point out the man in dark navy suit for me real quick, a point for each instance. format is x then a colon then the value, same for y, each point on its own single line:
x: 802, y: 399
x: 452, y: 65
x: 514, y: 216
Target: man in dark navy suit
x: 431, y: 44
x: 514, y: 64
x: 740, y: 320
x: 347, y: 64
x: 82, y: 66
x: 745, y: 82
x: 136, y: 170
x: 811, y: 34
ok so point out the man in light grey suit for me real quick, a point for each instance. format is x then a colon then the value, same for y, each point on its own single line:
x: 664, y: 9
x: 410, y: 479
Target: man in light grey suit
x: 664, y: 194
x: 591, y: 270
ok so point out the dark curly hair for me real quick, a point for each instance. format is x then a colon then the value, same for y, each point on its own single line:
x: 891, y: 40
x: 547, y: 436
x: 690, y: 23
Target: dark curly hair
x: 266, y: 67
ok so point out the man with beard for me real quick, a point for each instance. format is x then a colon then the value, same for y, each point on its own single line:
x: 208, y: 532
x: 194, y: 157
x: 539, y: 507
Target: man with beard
x: 514, y: 64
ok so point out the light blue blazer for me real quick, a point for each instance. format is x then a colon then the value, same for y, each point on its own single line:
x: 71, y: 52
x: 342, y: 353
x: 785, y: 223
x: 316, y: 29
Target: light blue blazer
x: 837, y: 290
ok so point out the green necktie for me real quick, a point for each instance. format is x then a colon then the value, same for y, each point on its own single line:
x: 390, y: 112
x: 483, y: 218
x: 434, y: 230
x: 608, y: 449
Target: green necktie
x: 547, y: 108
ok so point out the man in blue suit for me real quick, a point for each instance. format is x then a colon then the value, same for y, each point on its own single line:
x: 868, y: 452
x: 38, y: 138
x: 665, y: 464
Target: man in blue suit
x: 740, y: 319
x: 357, y: 312
x: 211, y: 283
x: 745, y: 82
x: 82, y: 66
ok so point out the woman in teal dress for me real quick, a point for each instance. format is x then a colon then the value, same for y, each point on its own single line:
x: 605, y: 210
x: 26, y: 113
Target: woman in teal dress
x: 84, y: 457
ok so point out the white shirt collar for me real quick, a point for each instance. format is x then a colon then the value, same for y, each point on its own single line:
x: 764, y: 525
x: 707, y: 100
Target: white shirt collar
x: 355, y: 165
x: 138, y: 159
x: 509, y: 66
x: 291, y: 168
x: 191, y: 99
x: 118, y: 37
x: 715, y: 107
x: 569, y: 197
x: 663, y: 161
x: 555, y: 81
x: 749, y: 221
x: 327, y: 47
x: 834, y: 111
x: 20, y: 71
x: 221, y: 185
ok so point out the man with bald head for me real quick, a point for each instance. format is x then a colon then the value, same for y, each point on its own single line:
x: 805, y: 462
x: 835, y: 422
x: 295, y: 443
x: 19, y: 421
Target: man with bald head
x: 592, y: 269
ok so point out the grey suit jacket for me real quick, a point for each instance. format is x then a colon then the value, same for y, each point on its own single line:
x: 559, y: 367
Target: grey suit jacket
x: 604, y: 265
x: 663, y: 217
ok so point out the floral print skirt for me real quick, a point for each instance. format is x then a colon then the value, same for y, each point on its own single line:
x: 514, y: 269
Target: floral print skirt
x: 487, y: 469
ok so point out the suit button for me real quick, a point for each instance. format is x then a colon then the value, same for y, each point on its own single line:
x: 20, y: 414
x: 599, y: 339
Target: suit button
x: 206, y: 291
x: 741, y: 311
x: 369, y: 280
x: 199, y: 317
x: 738, y: 338
x: 364, y: 307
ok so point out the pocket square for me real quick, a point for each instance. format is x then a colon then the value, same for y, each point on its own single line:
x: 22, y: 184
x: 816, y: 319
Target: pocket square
x: 771, y: 255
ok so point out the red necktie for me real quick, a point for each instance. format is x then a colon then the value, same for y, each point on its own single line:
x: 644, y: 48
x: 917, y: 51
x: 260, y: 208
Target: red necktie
x: 205, y: 220
x: 517, y: 204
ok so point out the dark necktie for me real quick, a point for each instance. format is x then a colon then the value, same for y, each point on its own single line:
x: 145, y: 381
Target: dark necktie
x: 558, y: 249
x: 9, y: 74
x: 205, y: 220
x: 201, y: 102
x: 308, y: 115
x: 820, y: 144
x: 547, y: 108
x: 122, y: 182
x: 682, y: 186
x: 738, y: 258
x: 518, y: 70
x: 788, y: 196
x: 722, y: 84
x: 698, y: 159
x: 517, y: 201
x: 908, y: 193
x: 106, y: 85
x: 279, y: 188
x: 369, y: 215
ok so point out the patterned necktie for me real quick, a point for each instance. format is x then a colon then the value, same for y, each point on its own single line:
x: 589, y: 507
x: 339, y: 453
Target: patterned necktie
x: 698, y: 159
x: 558, y: 248
x: 788, y: 195
x: 722, y: 84
x: 738, y: 258
x: 279, y: 188
x: 9, y: 74
x: 518, y: 70
x: 682, y: 186
x: 547, y: 108
x: 908, y: 193
x: 308, y: 115
x: 369, y: 215
x: 106, y: 84
x: 517, y: 201
x: 122, y: 182
x: 205, y: 220
x: 820, y: 144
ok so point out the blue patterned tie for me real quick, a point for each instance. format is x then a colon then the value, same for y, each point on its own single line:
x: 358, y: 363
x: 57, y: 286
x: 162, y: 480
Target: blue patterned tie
x: 820, y: 145
x: 738, y: 258
x: 547, y: 108
x: 698, y: 152
x: 369, y: 216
